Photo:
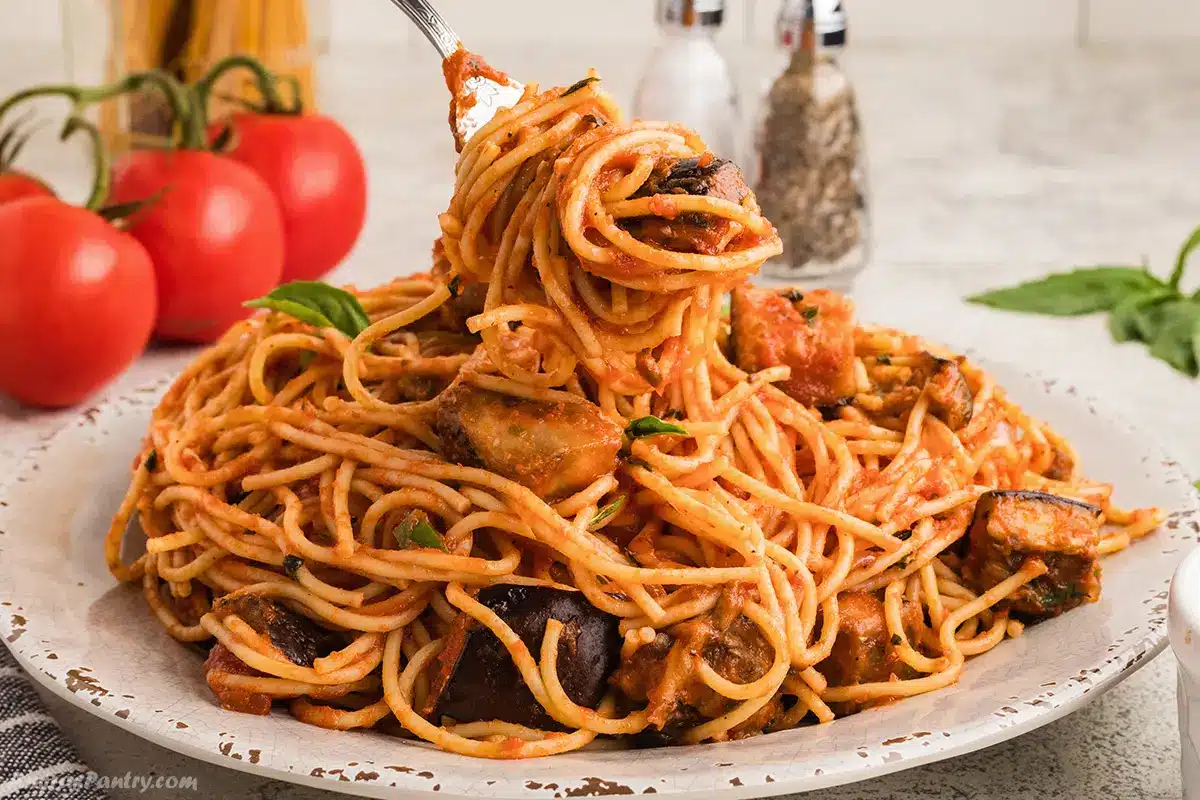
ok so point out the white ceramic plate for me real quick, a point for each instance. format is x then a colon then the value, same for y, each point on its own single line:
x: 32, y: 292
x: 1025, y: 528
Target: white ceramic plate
x: 94, y: 643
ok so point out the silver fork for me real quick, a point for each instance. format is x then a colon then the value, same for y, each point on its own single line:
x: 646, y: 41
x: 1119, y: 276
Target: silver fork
x: 490, y: 96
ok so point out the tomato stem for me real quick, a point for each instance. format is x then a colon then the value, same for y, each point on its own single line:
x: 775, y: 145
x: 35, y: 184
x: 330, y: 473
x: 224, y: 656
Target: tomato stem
x: 101, y: 165
x: 265, y: 81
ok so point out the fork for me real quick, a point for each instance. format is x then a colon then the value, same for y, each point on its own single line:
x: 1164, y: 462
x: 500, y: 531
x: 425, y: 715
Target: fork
x: 489, y: 95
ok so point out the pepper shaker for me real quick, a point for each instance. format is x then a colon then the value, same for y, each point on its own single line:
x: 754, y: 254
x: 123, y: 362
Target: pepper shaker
x: 808, y: 164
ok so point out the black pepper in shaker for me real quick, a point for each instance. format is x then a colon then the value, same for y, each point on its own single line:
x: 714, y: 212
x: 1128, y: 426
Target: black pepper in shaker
x: 810, y: 176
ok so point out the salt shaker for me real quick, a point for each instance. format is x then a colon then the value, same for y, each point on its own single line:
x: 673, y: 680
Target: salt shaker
x: 808, y: 161
x: 687, y: 79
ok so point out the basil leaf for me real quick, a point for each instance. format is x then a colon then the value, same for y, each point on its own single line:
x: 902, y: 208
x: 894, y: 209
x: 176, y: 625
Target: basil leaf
x: 151, y: 460
x: 1068, y: 294
x: 652, y: 426
x: 291, y: 564
x: 1150, y: 318
x: 577, y: 85
x: 414, y: 530
x: 1181, y: 260
x: 1175, y: 337
x: 606, y: 513
x: 318, y: 304
x: 1196, y: 341
x: 1123, y: 321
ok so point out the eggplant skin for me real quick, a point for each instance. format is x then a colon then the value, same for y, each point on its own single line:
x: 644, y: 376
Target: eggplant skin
x: 1010, y: 526
x: 478, y: 681
x: 296, y: 636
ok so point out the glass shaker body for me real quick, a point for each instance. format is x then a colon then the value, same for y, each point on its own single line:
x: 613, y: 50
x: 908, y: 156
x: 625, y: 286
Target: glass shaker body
x: 809, y: 162
x: 687, y: 80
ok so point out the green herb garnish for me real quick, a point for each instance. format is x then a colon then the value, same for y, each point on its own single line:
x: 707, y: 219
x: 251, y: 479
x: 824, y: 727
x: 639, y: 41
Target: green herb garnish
x: 904, y: 536
x: 318, y: 304
x: 292, y: 564
x: 652, y: 426
x: 884, y: 359
x: 896, y: 640
x: 577, y: 85
x: 415, y: 530
x: 1141, y: 306
x: 151, y: 460
x: 605, y: 513
x: 1056, y: 596
x: 794, y: 295
x: 455, y: 286
x: 810, y: 312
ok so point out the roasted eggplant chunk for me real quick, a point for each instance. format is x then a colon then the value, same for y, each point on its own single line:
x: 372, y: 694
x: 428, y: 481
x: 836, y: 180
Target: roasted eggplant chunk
x: 416, y: 386
x: 300, y: 639
x: 811, y: 332
x: 711, y: 177
x: 862, y: 651
x: 950, y: 398
x: 1011, y: 526
x: 221, y: 661
x: 452, y: 315
x: 651, y: 678
x: 477, y: 680
x: 296, y: 636
x: 553, y: 448
x: 907, y: 377
x: 691, y: 232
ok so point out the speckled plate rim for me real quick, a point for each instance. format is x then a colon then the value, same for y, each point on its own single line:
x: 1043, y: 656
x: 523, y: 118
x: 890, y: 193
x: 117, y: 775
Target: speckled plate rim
x: 849, y: 750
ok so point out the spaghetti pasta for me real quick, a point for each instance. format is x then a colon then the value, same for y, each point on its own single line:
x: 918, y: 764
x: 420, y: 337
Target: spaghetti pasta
x: 556, y: 416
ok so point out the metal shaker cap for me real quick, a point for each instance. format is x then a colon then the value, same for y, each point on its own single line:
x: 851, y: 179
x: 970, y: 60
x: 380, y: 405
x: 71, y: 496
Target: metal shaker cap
x: 690, y: 13
x: 829, y: 17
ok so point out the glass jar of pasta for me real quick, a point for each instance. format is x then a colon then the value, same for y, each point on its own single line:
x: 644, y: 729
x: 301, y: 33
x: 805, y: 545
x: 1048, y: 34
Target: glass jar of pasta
x: 106, y: 39
x: 808, y: 162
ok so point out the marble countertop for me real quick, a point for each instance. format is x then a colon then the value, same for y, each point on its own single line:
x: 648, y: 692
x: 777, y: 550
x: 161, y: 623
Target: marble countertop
x: 989, y: 163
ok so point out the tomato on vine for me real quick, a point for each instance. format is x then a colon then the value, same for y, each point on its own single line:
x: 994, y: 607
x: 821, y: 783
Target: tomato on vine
x: 214, y: 231
x: 311, y: 164
x: 77, y: 295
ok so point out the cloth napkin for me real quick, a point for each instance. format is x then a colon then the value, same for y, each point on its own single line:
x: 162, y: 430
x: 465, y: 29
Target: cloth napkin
x: 36, y: 760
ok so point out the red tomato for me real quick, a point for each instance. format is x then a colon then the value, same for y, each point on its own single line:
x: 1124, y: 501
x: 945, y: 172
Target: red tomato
x: 317, y: 173
x: 214, y: 234
x: 15, y: 185
x: 77, y: 301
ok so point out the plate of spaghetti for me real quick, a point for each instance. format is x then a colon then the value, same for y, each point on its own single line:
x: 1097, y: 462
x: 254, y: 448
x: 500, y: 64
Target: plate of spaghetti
x: 583, y: 511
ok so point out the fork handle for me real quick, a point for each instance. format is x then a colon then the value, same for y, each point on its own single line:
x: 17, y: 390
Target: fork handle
x: 430, y: 23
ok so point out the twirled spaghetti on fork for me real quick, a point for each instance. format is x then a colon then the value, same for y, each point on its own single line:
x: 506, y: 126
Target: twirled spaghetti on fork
x: 562, y: 488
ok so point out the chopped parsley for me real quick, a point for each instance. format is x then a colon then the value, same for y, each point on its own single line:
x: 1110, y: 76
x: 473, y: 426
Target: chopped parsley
x: 607, y: 512
x: 415, y: 530
x: 652, y: 426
